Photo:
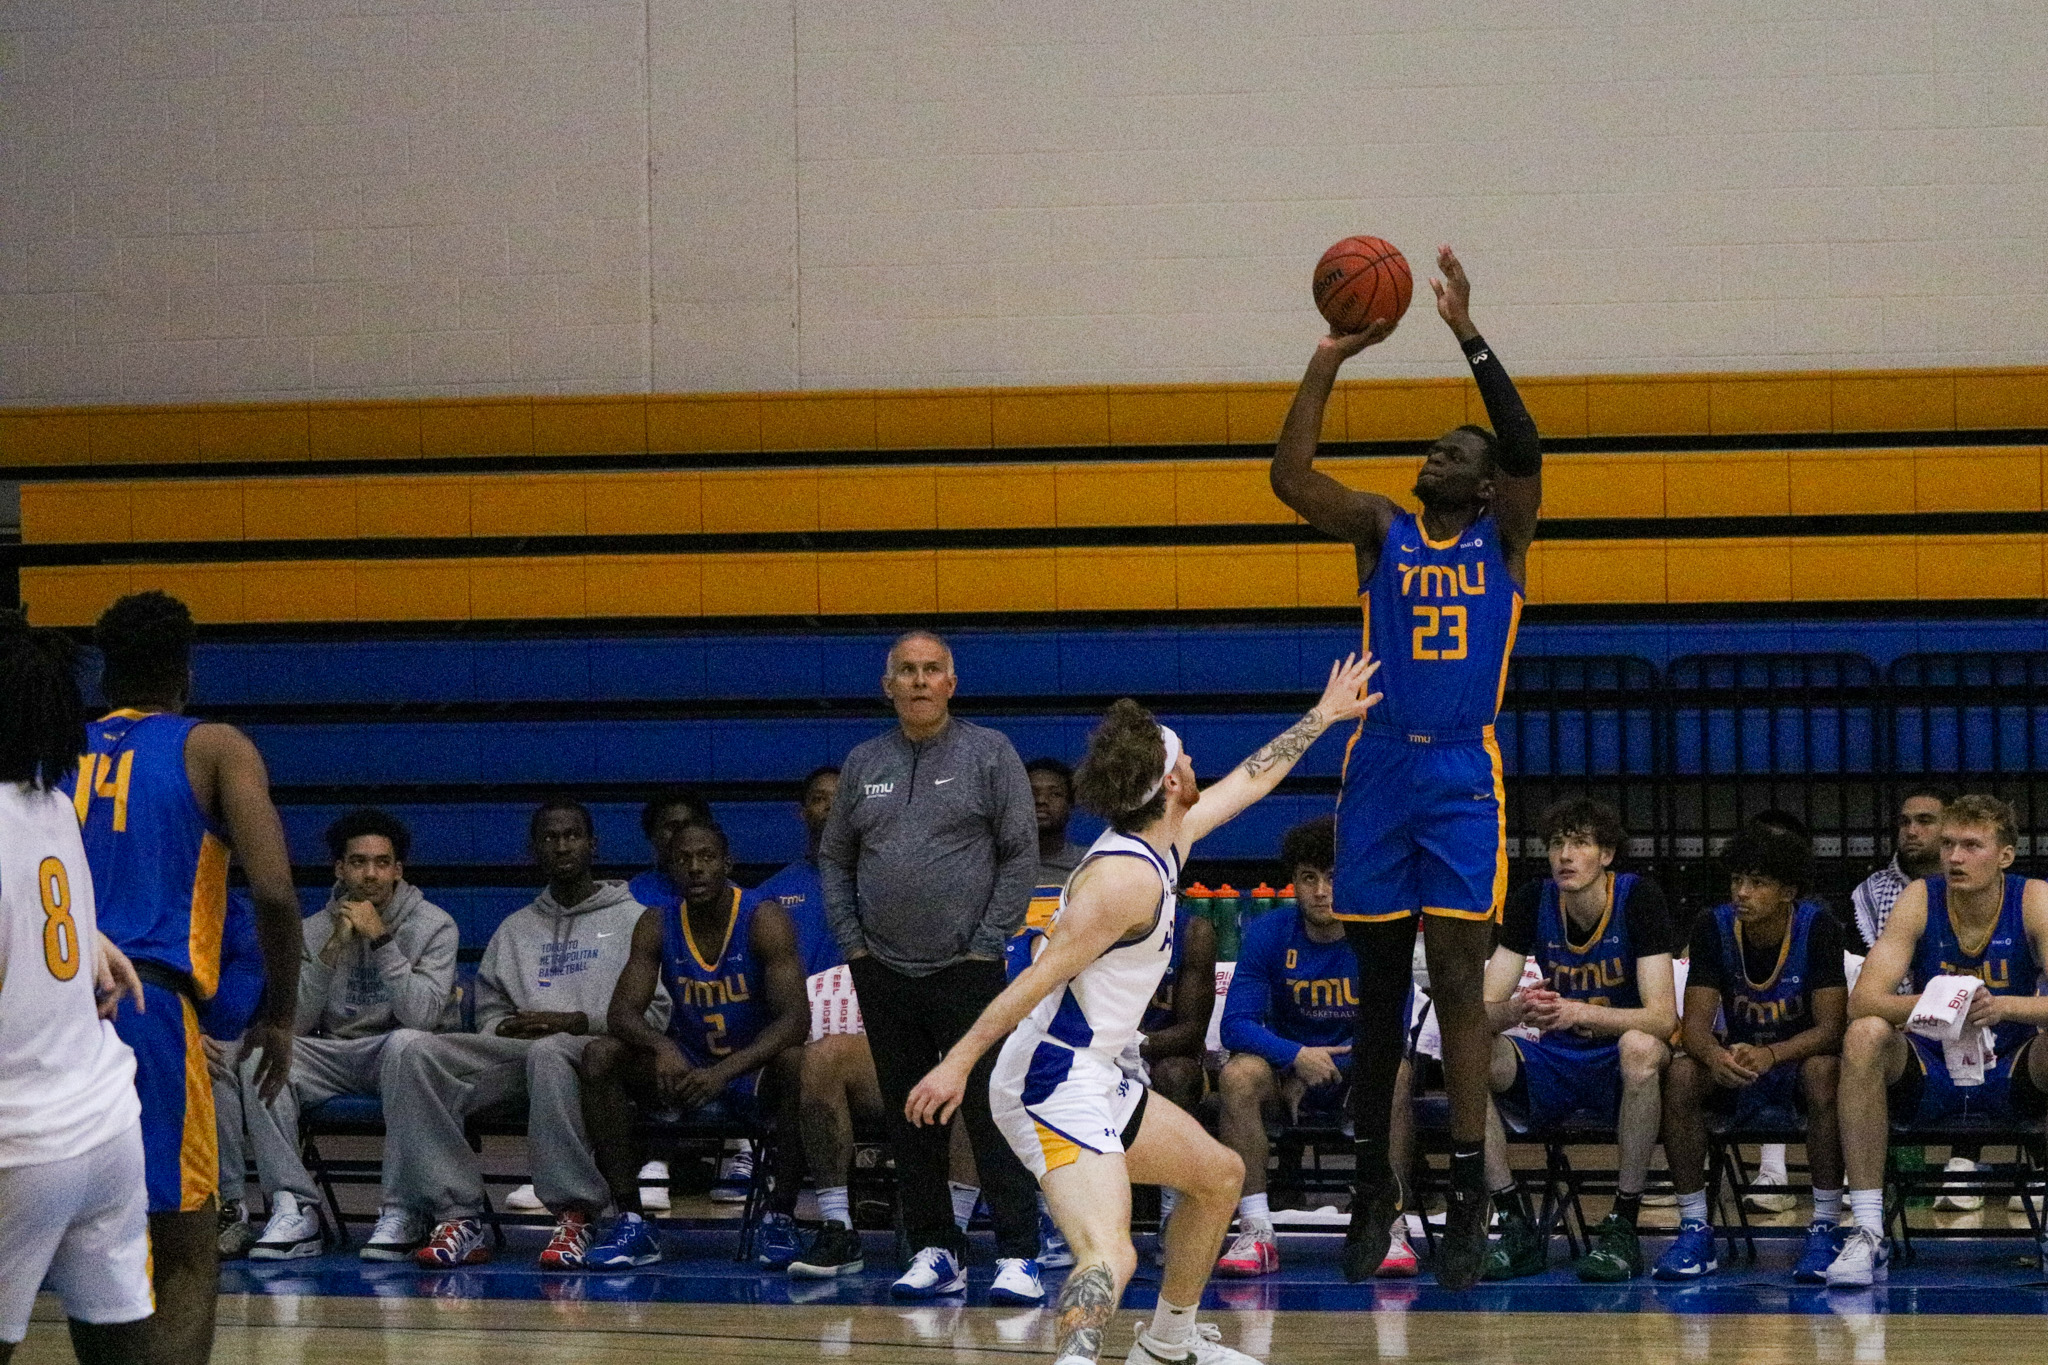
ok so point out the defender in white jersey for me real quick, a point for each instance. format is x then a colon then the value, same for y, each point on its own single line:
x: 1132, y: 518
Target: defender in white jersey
x: 1083, y: 1126
x: 73, y: 1208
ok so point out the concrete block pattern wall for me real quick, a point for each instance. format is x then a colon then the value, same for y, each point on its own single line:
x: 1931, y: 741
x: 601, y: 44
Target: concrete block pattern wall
x: 219, y: 199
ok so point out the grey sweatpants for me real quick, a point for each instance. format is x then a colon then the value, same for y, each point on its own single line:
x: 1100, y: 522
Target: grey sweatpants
x: 227, y: 1121
x: 322, y: 1068
x: 433, y: 1084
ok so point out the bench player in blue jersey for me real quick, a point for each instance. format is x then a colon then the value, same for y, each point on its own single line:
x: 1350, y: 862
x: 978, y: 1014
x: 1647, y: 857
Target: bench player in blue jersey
x: 1766, y: 1002
x: 1976, y: 919
x: 736, y: 1027
x: 163, y: 802
x: 1422, y: 831
x: 1288, y: 1022
x: 1607, y: 1007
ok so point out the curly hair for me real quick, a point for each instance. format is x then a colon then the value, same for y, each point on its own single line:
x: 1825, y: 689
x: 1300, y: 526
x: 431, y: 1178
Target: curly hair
x: 1761, y: 851
x: 146, y: 640
x: 1596, y: 820
x: 42, y: 718
x: 1312, y: 843
x: 368, y: 820
x: 1125, y: 756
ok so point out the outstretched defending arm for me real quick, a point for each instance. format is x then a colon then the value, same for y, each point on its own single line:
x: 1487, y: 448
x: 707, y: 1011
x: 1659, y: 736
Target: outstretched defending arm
x: 1330, y: 507
x: 1344, y: 698
x: 1518, y: 491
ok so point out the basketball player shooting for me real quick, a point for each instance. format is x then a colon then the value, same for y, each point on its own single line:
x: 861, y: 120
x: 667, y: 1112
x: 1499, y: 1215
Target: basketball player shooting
x: 1062, y: 1091
x: 1425, y: 831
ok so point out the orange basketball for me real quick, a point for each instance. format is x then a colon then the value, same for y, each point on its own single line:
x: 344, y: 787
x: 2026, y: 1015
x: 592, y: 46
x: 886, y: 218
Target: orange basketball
x: 1362, y: 280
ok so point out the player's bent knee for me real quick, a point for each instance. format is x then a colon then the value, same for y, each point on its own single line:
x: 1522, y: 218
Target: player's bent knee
x: 601, y: 1059
x: 1865, y: 1043
x: 1818, y: 1077
x: 1642, y: 1057
x: 1246, y: 1079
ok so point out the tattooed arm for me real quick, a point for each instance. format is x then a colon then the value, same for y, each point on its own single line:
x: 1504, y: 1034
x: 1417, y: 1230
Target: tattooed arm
x: 1250, y: 780
x: 1087, y: 1304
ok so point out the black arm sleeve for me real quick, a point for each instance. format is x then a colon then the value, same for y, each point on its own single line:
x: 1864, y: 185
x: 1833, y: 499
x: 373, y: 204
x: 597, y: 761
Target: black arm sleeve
x: 1521, y: 451
x: 1518, y: 919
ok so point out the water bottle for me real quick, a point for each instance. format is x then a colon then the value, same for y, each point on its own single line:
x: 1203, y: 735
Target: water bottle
x: 1224, y: 909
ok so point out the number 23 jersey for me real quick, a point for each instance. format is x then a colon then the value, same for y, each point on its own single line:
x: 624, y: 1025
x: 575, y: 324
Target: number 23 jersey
x: 67, y: 1083
x: 1441, y: 617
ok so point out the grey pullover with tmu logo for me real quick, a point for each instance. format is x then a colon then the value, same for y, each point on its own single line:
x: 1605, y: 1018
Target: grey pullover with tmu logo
x: 931, y: 851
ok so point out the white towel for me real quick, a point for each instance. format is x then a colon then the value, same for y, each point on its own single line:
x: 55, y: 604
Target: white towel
x: 1943, y: 1014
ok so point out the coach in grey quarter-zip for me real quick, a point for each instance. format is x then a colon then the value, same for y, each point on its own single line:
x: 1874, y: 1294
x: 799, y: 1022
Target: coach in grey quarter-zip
x: 928, y: 862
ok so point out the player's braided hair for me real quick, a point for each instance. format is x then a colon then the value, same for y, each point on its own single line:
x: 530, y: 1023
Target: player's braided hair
x: 42, y: 729
x: 1123, y: 762
x: 146, y: 640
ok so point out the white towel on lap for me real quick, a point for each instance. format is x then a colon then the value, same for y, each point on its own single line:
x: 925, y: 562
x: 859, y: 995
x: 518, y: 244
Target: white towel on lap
x: 1943, y: 1015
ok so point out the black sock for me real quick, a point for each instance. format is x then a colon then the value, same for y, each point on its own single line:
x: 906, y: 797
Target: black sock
x: 1468, y: 1168
x: 1508, y: 1203
x: 1628, y: 1207
x: 1370, y: 1156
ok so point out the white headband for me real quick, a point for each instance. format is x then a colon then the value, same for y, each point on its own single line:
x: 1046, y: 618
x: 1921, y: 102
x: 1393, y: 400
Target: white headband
x: 1172, y: 760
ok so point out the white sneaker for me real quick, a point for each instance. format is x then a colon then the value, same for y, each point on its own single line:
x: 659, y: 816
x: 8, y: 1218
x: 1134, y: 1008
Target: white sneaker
x: 654, y: 1195
x: 1016, y: 1282
x: 524, y: 1200
x: 1955, y: 1198
x: 1206, y: 1349
x: 293, y: 1232
x: 1865, y: 1260
x: 933, y: 1271
x: 398, y: 1234
x: 1771, y: 1198
x: 1053, y: 1251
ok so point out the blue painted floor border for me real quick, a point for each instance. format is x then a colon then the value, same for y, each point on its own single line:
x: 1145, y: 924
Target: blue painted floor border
x: 1974, y: 1276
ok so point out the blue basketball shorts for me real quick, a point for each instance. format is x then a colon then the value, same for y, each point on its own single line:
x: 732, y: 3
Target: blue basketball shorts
x: 1421, y: 828
x: 180, y: 1150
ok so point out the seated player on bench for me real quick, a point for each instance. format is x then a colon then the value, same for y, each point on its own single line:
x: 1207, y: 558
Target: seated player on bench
x: 1289, y: 1021
x: 1766, y: 1002
x: 734, y: 1045
x: 1976, y: 920
x: 1603, y: 942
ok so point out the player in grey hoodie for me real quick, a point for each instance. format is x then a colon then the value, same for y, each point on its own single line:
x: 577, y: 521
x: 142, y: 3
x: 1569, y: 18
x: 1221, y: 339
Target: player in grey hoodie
x: 542, y: 992
x: 375, y: 972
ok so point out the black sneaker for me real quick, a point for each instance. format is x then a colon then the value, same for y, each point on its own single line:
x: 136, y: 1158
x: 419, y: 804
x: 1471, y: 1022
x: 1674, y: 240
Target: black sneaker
x: 1374, y: 1202
x: 833, y: 1252
x: 1461, y: 1251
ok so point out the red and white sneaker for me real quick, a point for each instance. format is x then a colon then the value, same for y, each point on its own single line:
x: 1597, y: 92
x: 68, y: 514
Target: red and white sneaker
x: 459, y: 1241
x: 1253, y: 1252
x: 1400, y: 1263
x: 567, y: 1249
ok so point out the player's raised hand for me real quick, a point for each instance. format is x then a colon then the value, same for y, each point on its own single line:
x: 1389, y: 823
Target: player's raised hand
x: 938, y: 1095
x: 1344, y: 345
x: 1345, y: 697
x: 1453, y: 294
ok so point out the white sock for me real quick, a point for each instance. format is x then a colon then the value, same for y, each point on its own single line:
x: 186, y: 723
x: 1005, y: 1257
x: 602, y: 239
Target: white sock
x: 1167, y: 1199
x: 1253, y: 1209
x: 965, y: 1197
x: 834, y: 1206
x: 1770, y: 1164
x: 1827, y: 1205
x: 1868, y: 1206
x: 1692, y: 1208
x: 1173, y: 1325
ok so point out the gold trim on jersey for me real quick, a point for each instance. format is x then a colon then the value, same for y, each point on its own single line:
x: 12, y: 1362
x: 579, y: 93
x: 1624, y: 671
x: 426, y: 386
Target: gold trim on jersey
x: 209, y: 913
x: 199, y: 1145
x: 732, y: 917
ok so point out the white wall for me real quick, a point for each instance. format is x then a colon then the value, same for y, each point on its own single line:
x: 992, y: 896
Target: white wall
x: 294, y: 198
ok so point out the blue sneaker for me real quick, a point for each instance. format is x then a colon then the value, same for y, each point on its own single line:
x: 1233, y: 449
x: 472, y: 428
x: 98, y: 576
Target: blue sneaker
x: 775, y: 1241
x: 1017, y: 1282
x: 1823, y: 1244
x: 933, y: 1271
x: 1691, y: 1256
x: 629, y: 1243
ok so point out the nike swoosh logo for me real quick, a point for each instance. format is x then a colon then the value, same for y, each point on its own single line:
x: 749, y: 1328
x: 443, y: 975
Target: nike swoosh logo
x: 1407, y: 549
x: 604, y: 935
x: 940, y: 781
